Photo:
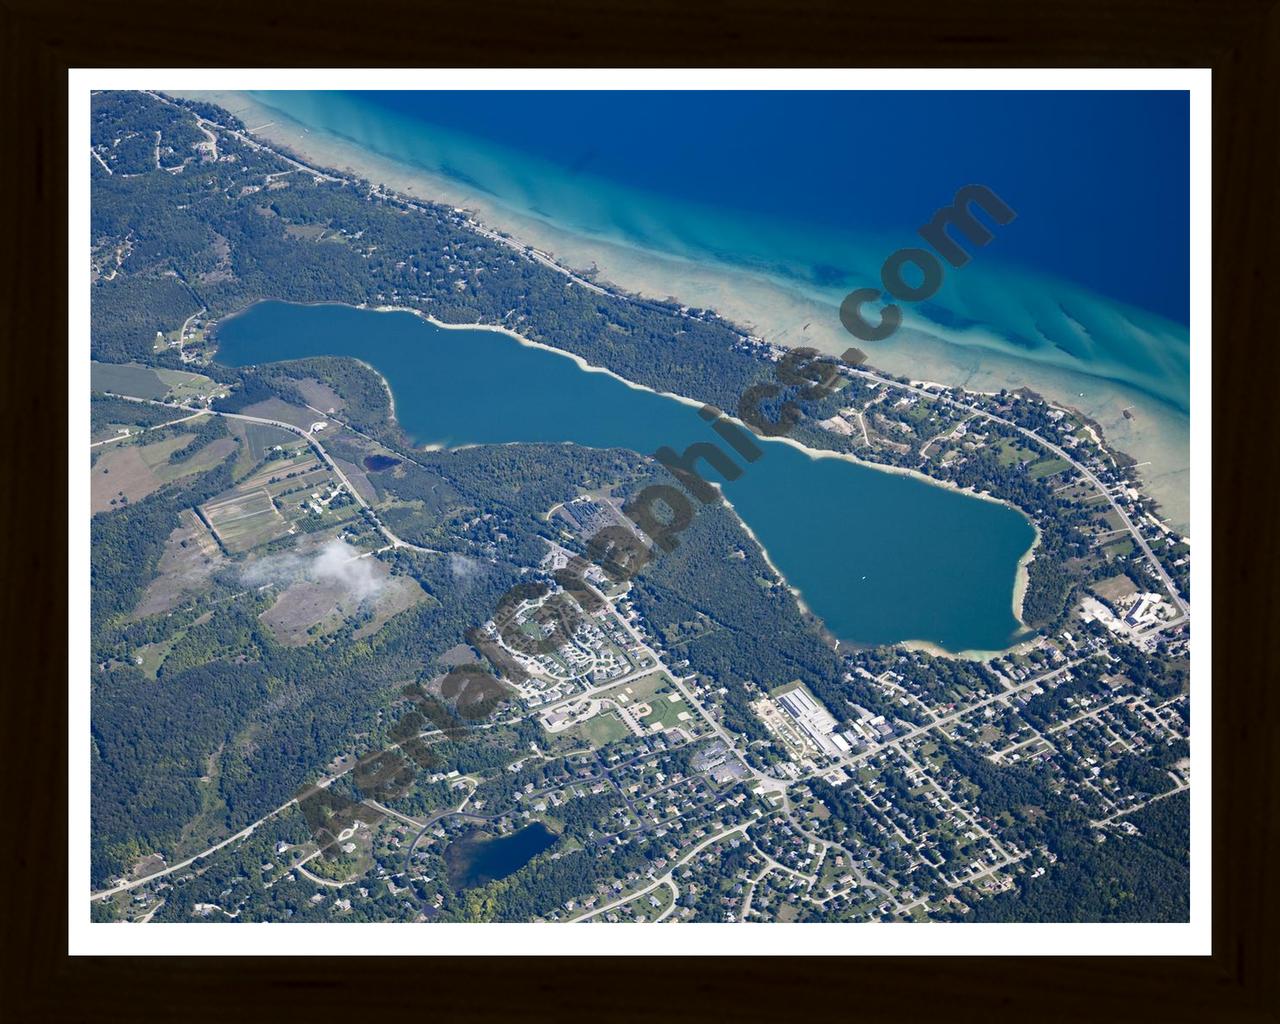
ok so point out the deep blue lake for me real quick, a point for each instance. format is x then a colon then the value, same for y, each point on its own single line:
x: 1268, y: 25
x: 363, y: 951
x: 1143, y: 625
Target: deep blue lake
x: 812, y: 189
x: 879, y: 556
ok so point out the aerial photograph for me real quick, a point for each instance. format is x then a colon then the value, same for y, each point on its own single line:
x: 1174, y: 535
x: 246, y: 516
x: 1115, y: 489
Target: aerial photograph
x: 626, y: 506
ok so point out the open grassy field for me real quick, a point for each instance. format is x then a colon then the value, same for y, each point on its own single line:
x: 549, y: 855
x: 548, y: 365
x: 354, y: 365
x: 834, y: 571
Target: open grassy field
x: 1119, y: 548
x: 668, y: 711
x: 1115, y: 588
x: 320, y: 395
x: 184, y: 385
x: 127, y: 379
x: 120, y: 476
x: 150, y: 657
x: 278, y: 409
x: 190, y: 555
x: 601, y: 730
x: 307, y: 609
x: 206, y: 458
x: 641, y: 690
x: 401, y: 594
x: 129, y: 471
x: 1046, y: 467
x: 149, y: 382
x: 653, y: 700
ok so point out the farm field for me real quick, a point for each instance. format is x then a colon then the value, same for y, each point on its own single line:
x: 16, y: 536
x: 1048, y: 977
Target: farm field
x: 261, y: 437
x: 190, y: 555
x: 130, y: 470
x: 244, y: 520
x: 282, y: 411
x: 149, y: 382
x: 320, y: 396
x: 127, y: 379
x: 186, y: 386
x: 120, y: 476
x: 256, y: 440
x: 280, y: 497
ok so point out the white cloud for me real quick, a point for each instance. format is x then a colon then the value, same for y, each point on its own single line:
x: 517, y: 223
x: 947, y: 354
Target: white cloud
x: 335, y: 563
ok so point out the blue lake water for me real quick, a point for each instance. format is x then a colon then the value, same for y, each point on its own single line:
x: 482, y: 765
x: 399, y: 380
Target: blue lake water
x: 880, y: 557
x: 476, y: 859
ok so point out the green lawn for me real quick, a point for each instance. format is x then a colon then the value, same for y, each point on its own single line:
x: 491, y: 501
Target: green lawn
x: 1124, y: 546
x: 602, y: 730
x: 126, y: 379
x: 184, y: 385
x: 1046, y: 467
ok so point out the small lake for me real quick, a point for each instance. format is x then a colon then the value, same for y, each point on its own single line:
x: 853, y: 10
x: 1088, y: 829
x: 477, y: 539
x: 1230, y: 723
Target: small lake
x: 879, y: 556
x: 380, y: 463
x: 476, y: 859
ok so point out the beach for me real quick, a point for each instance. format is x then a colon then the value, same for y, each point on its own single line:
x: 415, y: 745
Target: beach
x: 1155, y: 434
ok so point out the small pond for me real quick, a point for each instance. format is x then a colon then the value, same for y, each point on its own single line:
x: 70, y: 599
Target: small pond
x: 477, y: 858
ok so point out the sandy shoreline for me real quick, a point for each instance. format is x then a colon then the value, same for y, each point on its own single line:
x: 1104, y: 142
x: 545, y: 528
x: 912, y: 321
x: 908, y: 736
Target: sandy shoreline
x: 1156, y: 436
x: 813, y: 453
x: 1021, y: 574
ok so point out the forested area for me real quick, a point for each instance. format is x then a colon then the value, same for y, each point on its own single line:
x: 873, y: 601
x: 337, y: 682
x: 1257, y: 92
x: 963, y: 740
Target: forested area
x: 105, y: 410
x: 228, y: 238
x: 312, y: 701
x: 309, y: 703
x: 128, y: 311
x: 151, y: 744
x: 756, y: 631
x: 1144, y: 877
x: 126, y: 544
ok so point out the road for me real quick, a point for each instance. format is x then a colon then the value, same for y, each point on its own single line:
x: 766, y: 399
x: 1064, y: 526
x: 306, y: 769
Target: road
x: 314, y: 442
x: 850, y: 760
x: 182, y: 332
x: 547, y: 261
x: 94, y: 153
x: 206, y: 124
x: 143, y: 430
x: 1060, y: 453
x: 242, y: 834
x: 1181, y: 787
x: 665, y: 879
x: 768, y: 781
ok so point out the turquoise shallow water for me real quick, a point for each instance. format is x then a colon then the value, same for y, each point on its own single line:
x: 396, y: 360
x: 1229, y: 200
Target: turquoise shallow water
x: 1091, y: 277
x: 881, y: 557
